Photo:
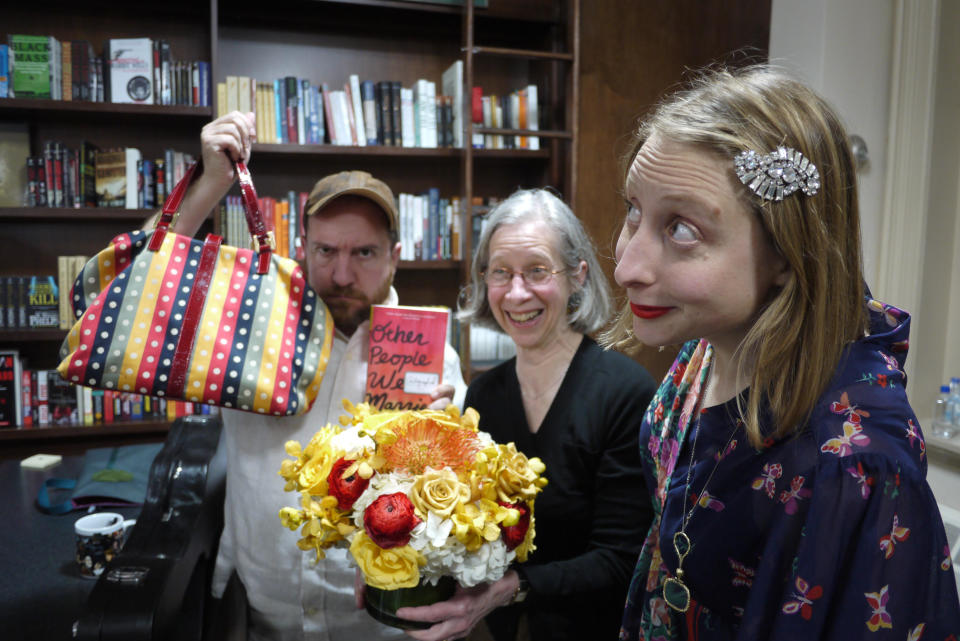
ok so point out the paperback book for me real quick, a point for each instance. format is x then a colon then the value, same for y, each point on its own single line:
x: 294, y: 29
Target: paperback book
x: 9, y: 388
x: 406, y: 356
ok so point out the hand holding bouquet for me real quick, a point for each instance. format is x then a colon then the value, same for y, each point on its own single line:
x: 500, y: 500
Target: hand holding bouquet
x: 416, y: 495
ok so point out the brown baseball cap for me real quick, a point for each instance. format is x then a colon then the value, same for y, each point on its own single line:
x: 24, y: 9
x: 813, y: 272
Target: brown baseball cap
x: 358, y: 183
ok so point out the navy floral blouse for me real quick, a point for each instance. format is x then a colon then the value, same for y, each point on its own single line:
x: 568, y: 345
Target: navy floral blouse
x: 832, y: 533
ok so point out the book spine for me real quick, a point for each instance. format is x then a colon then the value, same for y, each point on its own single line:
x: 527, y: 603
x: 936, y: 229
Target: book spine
x: 350, y: 119
x: 291, y: 110
x: 31, y: 183
x: 195, y: 83
x: 66, y: 69
x: 368, y: 97
x: 476, y: 113
x: 4, y: 71
x: 26, y: 398
x: 384, y: 96
x: 48, y: 183
x: 395, y: 124
x: 328, y: 111
x: 301, y: 111
x: 58, y: 175
x: 358, y: 114
x: 166, y: 79
x: 433, y: 202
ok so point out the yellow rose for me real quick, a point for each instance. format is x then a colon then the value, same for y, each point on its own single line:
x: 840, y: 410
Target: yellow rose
x: 390, y: 569
x: 516, y: 477
x: 438, y: 491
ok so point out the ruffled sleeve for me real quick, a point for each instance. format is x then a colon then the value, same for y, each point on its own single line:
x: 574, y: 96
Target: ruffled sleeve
x: 872, y: 562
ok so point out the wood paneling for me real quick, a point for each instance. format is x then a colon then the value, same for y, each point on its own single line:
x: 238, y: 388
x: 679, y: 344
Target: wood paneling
x: 631, y: 53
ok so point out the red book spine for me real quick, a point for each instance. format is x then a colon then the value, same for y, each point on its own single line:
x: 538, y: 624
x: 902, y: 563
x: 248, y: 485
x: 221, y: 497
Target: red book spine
x: 26, y: 399
x: 476, y: 105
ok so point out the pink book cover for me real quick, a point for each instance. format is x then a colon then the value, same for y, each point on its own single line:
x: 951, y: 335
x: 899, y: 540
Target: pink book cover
x: 406, y: 356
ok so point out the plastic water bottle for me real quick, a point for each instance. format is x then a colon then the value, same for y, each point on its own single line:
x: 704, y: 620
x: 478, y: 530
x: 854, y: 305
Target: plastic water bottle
x: 942, y: 426
x: 953, y: 406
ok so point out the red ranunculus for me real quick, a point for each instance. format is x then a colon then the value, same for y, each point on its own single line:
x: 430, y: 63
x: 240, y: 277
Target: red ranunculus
x: 389, y: 520
x: 513, y: 534
x: 346, y: 490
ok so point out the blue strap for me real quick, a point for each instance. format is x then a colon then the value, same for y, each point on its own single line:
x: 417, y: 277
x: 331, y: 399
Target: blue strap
x: 43, y: 497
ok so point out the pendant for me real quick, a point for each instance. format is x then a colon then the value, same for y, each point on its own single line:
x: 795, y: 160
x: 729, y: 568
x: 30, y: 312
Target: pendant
x: 675, y: 593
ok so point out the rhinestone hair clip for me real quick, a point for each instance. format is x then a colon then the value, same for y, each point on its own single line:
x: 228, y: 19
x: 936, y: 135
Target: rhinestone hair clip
x: 777, y: 174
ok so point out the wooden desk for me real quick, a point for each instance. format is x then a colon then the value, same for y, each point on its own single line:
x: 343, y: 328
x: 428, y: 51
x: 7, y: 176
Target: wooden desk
x: 41, y: 591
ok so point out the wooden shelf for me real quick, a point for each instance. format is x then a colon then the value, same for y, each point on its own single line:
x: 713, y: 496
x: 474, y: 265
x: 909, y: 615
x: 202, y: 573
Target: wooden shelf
x: 19, y: 443
x: 280, y: 150
x: 39, y: 108
x: 25, y: 214
x: 566, y: 135
x: 529, y: 54
x: 429, y: 264
x: 273, y: 149
x: 85, y: 431
x: 540, y: 11
x: 31, y: 335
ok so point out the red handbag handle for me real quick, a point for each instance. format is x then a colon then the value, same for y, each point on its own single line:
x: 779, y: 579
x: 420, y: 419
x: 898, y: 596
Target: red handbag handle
x: 263, y: 242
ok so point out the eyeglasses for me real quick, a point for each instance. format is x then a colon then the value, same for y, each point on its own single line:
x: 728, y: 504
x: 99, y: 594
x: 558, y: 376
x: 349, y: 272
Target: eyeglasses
x: 536, y: 275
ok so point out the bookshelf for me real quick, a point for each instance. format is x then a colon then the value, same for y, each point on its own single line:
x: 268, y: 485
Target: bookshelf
x: 507, y: 45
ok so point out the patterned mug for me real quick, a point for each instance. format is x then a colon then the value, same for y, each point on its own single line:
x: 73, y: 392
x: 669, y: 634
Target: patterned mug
x: 99, y: 538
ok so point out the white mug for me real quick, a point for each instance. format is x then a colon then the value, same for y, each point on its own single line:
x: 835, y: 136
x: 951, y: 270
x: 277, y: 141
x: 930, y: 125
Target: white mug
x: 99, y: 538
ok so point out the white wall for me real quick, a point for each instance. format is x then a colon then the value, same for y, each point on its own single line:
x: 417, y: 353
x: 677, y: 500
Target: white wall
x: 860, y: 54
x: 842, y: 49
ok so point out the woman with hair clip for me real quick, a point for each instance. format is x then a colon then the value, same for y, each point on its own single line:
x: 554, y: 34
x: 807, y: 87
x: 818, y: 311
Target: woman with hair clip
x: 788, y: 469
x: 535, y: 276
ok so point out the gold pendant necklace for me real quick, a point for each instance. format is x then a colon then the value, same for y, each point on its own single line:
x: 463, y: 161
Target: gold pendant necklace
x: 675, y: 591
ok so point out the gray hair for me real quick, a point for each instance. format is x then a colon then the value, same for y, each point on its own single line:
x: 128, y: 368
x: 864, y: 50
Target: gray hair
x: 590, y: 304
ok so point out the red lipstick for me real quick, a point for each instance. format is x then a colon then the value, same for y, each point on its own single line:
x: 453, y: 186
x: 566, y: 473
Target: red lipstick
x: 647, y: 311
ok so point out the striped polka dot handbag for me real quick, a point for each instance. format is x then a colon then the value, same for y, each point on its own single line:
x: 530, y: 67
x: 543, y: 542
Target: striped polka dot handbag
x: 180, y: 318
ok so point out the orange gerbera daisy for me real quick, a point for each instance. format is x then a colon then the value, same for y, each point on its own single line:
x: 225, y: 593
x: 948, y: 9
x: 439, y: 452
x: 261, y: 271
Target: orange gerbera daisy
x: 423, y: 441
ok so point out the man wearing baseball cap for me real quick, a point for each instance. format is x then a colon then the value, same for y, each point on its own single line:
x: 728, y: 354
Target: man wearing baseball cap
x: 350, y: 233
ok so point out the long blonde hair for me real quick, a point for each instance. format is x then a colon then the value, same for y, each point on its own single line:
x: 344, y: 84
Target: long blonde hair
x: 797, y: 340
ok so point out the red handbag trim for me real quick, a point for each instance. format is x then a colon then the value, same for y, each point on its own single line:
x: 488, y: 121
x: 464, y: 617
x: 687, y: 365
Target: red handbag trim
x: 251, y: 209
x: 191, y: 317
x: 171, y: 205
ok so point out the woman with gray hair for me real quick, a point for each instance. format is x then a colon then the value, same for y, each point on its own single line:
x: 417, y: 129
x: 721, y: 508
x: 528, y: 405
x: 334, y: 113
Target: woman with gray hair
x: 536, y: 277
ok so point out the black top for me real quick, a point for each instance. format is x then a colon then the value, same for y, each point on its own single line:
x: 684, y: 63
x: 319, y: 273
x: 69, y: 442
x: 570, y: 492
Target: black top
x: 593, y: 514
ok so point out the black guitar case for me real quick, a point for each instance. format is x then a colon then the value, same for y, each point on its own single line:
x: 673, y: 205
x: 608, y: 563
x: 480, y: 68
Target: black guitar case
x: 157, y: 586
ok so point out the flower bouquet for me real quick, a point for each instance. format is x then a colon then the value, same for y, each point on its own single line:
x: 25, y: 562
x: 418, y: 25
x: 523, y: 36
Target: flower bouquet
x: 421, y: 498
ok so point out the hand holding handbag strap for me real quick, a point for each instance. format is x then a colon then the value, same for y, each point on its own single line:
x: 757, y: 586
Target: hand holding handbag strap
x: 258, y: 230
x: 262, y: 241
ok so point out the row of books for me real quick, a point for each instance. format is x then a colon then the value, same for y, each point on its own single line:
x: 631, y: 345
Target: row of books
x: 29, y: 302
x: 282, y: 217
x: 36, y: 398
x: 295, y: 110
x: 40, y: 302
x: 517, y: 110
x: 490, y: 345
x: 429, y: 226
x: 92, y: 177
x: 129, y: 70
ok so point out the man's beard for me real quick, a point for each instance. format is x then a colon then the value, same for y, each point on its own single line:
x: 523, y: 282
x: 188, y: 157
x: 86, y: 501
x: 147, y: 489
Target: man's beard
x: 346, y: 316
